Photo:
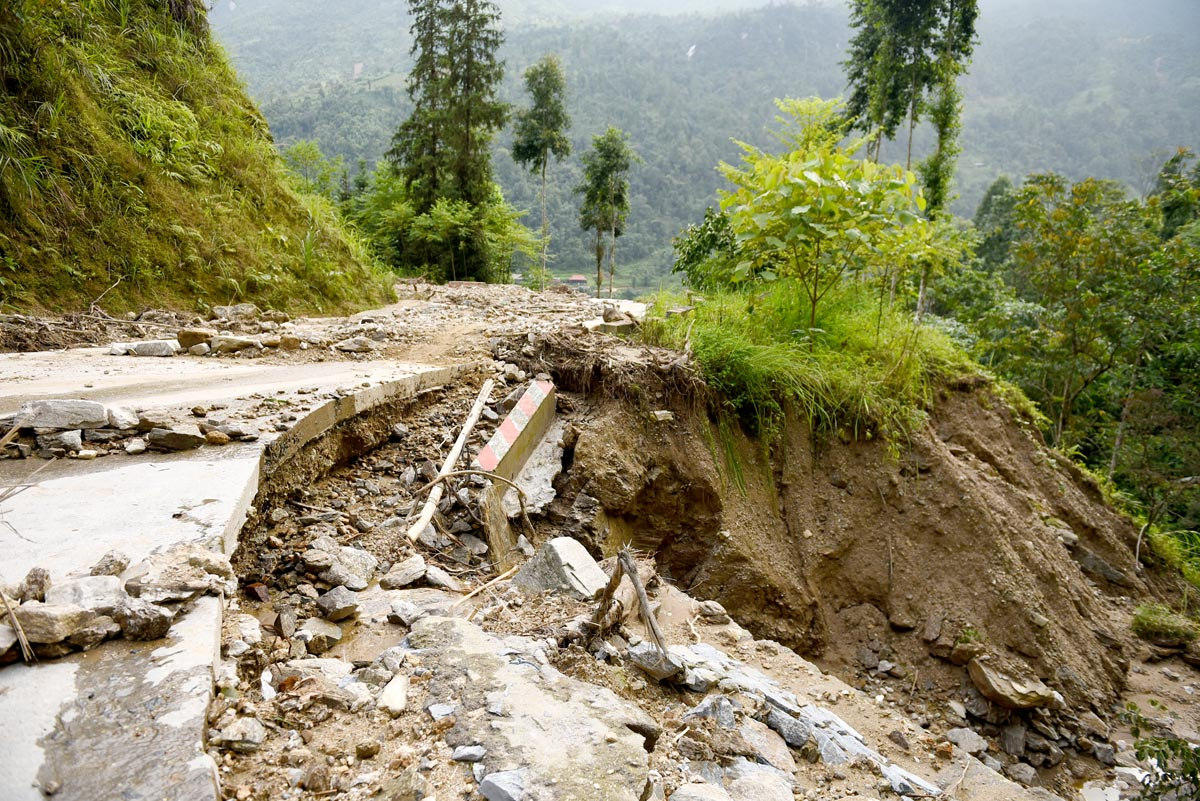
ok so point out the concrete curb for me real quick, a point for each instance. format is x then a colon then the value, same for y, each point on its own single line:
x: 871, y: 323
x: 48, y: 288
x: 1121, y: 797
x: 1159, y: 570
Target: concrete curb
x: 126, y: 719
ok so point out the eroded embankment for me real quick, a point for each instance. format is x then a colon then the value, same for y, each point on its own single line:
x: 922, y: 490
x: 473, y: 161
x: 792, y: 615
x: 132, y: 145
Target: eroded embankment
x: 974, y: 556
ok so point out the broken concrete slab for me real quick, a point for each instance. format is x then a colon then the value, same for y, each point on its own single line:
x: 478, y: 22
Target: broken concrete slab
x: 562, y: 565
x: 62, y: 414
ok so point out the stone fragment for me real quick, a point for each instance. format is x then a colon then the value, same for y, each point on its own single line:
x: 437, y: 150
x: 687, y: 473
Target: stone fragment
x: 768, y: 745
x: 1104, y: 753
x: 102, y: 595
x: 469, y: 753
x: 715, y: 707
x: 289, y: 342
x: 403, y: 573
x: 217, y: 437
x: 189, y: 337
x: 964, y: 652
x: 700, y: 791
x: 100, y: 628
x: 180, y: 438
x: 751, y: 782
x: 1010, y: 692
x: 135, y: 446
x: 69, y: 441
x: 408, y: 786
x: 319, y: 635
x: 244, y: 735
x: 237, y: 312
x: 394, y: 698
x: 967, y: 740
x: 367, y: 749
x: 506, y: 785
x: 34, y: 586
x: 113, y: 563
x: 562, y: 565
x: 1012, y: 739
x: 48, y: 624
x: 355, y: 345
x: 340, y: 565
x: 440, y: 578
x: 1092, y: 564
x: 8, y: 637
x: 651, y: 661
x: 712, y: 609
x: 62, y: 414
x: 405, y: 613
x: 338, y: 604
x: 159, y: 348
x: 1021, y: 773
x: 141, y: 620
x: 227, y: 343
x: 795, y: 732
x: 122, y: 418
x: 201, y: 349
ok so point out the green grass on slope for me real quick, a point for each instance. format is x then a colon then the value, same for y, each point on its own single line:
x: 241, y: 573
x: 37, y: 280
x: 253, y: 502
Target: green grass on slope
x: 130, y: 155
x: 860, y: 372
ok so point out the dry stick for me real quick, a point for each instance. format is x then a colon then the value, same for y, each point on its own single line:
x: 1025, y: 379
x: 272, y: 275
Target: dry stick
x: 601, y: 620
x: 646, y: 613
x: 457, y: 473
x: 26, y: 651
x: 452, y: 459
x: 483, y: 587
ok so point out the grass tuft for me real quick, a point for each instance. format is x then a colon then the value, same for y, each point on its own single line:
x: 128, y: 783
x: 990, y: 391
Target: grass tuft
x: 1161, y: 626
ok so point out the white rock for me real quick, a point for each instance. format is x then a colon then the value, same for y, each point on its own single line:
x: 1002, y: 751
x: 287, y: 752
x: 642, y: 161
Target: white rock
x: 156, y: 347
x: 62, y: 414
x: 394, y: 698
x: 121, y: 417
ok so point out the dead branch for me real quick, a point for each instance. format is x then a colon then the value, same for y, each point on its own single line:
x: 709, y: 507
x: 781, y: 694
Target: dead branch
x: 483, y: 587
x: 451, y: 460
x: 647, y: 613
x: 26, y: 651
x: 492, y: 476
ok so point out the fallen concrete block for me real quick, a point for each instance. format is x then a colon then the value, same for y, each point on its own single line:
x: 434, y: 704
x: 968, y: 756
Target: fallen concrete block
x: 562, y: 565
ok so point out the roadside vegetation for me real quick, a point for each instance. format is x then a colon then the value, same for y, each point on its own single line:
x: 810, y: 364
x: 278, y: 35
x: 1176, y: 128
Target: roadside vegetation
x: 132, y: 164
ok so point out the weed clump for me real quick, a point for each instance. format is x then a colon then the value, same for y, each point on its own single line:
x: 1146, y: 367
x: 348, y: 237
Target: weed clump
x: 1157, y: 624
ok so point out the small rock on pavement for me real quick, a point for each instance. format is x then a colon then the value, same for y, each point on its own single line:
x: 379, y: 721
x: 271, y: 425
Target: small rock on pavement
x: 135, y: 446
x: 338, y: 604
x: 239, y: 311
x: 469, y: 753
x: 404, y: 573
x: 244, y: 735
x: 142, y: 620
x: 155, y: 348
x: 319, y: 635
x: 51, y: 623
x: 99, y: 594
x: 394, y: 698
x: 967, y: 740
x: 562, y: 565
x: 70, y: 441
x: 62, y: 414
x: 232, y: 344
x: 506, y: 785
x: 355, y: 345
x: 216, y: 437
x: 112, y: 563
x: 34, y: 586
x: 182, y: 438
x: 408, y: 786
x: 190, y: 337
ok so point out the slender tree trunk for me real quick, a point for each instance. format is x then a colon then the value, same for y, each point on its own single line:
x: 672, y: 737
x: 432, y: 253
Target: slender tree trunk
x: 599, y: 260
x: 912, y: 118
x: 1119, y: 440
x: 545, y: 228
x: 612, y: 249
x: 921, y: 292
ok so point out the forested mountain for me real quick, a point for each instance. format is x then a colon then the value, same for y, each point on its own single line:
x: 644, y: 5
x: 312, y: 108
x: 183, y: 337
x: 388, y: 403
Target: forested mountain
x: 1082, y: 88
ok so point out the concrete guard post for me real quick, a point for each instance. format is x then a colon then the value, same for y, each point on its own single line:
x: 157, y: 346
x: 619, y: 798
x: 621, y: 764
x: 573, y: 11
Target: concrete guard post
x: 505, y: 455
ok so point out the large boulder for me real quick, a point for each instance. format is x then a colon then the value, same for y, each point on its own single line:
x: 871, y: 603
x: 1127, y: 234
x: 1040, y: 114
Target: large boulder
x: 62, y: 414
x: 562, y: 565
x: 1010, y: 692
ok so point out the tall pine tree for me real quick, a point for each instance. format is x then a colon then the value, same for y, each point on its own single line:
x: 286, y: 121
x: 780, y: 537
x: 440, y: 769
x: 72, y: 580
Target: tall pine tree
x: 443, y: 149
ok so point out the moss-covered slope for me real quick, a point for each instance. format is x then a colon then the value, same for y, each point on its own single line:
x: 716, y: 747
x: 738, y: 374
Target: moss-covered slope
x: 131, y: 156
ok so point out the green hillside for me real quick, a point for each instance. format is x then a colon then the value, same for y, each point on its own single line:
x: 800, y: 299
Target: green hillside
x: 132, y: 162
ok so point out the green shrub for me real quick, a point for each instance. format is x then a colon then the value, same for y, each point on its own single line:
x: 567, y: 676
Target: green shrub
x: 1158, y: 624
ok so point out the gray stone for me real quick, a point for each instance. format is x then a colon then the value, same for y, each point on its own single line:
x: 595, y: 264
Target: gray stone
x: 113, y: 563
x: 1105, y: 753
x: 244, y: 735
x: 237, y: 312
x: 1010, y: 692
x: 1021, y: 773
x: 441, y: 711
x: 408, y: 786
x: 394, y: 698
x: 768, y: 745
x: 712, y: 609
x: 403, y: 573
x: 506, y: 785
x: 227, y: 343
x: 101, y: 628
x: 1096, y: 567
x: 190, y: 337
x: 405, y: 613
x: 700, y: 791
x: 1012, y: 739
x: 135, y: 446
x: 201, y: 349
x: 469, y: 753
x: 340, y: 565
x: 338, y: 604
x: 716, y: 707
x: 47, y: 624
x: 62, y: 414
x: 440, y: 578
x: 34, y: 586
x: 158, y: 348
x: 319, y: 635
x: 122, y: 418
x: 355, y: 345
x: 795, y: 733
x: 180, y: 438
x: 8, y: 637
x: 967, y: 740
x: 562, y: 565
x: 141, y: 620
x: 760, y: 786
x: 100, y: 594
x: 651, y: 661
x: 69, y: 441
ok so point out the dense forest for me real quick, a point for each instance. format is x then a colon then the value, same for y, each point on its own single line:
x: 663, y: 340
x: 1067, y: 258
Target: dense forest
x: 1077, y: 88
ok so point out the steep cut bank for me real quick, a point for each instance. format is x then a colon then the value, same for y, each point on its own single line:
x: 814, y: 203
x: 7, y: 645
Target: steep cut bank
x: 974, y: 566
x: 133, y: 166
